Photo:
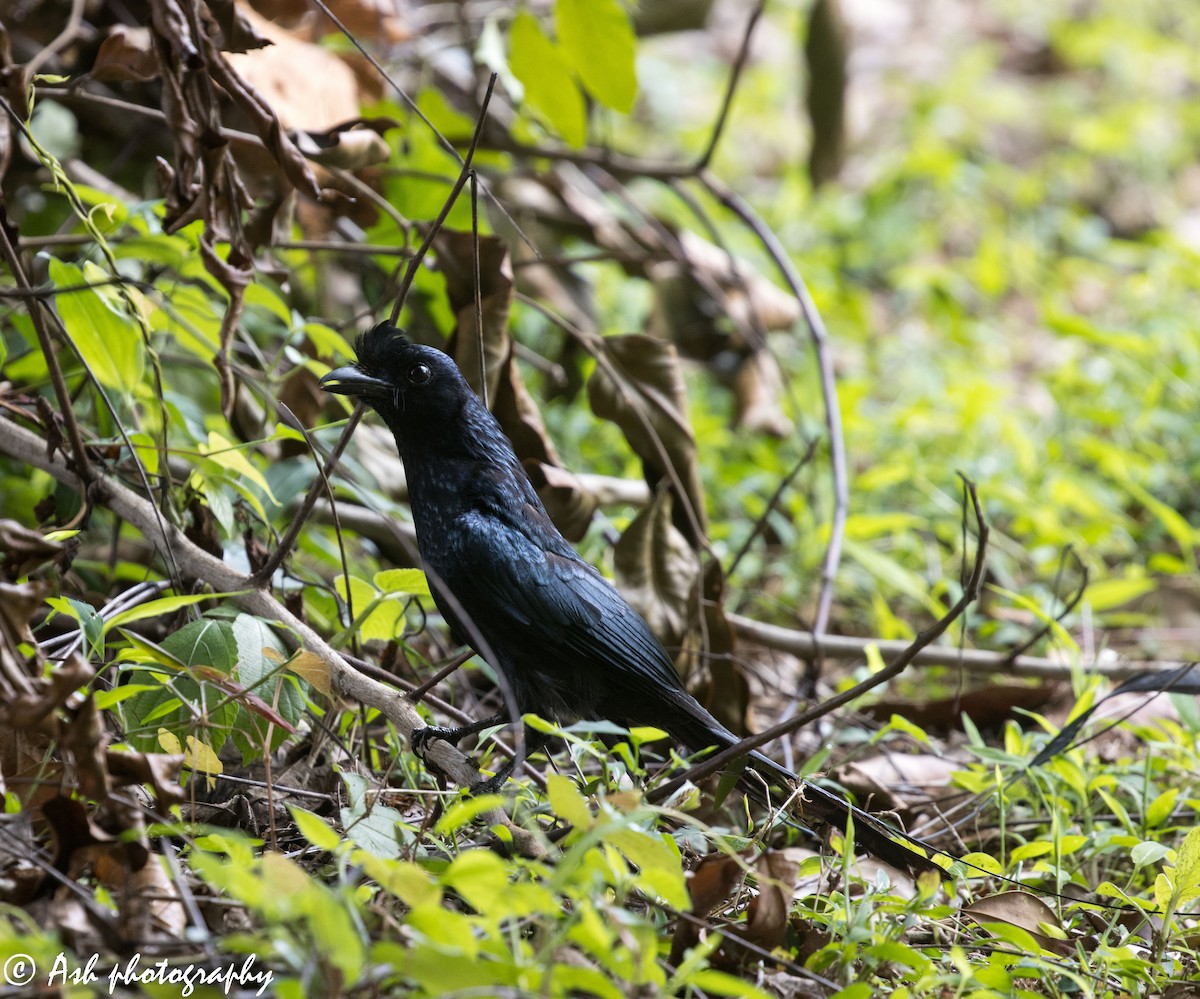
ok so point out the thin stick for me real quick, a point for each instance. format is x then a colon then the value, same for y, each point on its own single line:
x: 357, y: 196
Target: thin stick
x: 833, y: 415
x: 410, y: 272
x: 970, y: 593
x: 82, y: 466
x: 320, y: 485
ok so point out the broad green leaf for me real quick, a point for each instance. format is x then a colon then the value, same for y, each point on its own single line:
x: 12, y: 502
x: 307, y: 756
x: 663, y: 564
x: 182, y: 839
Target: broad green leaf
x: 652, y: 854
x: 567, y: 802
x: 1109, y: 593
x: 466, y: 811
x: 1148, y: 853
x: 1187, y: 868
x: 412, y: 581
x: 108, y: 341
x: 710, y: 981
x: 374, y: 829
x: 414, y: 886
x: 981, y: 864
x: 597, y: 39
x: 550, y: 89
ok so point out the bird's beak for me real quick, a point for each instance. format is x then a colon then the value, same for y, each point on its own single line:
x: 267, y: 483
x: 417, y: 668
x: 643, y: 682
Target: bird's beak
x: 351, y: 381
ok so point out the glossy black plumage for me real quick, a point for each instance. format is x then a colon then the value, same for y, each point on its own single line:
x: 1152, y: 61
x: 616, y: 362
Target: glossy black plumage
x: 566, y: 641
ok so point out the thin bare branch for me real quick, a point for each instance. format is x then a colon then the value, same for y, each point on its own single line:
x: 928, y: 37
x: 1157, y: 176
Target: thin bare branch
x: 833, y: 414
x: 411, y: 272
x: 719, y: 760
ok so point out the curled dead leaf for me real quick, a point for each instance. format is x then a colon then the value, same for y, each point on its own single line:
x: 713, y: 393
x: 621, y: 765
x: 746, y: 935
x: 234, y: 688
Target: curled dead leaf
x: 657, y: 570
x: 639, y: 385
x: 126, y: 54
x: 566, y: 500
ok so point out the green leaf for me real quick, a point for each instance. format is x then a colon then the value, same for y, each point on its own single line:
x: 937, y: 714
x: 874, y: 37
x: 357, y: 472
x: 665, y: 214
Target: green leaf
x: 597, y: 39
x: 1160, y: 808
x: 721, y: 983
x: 411, y: 581
x: 567, y: 802
x: 230, y: 457
x: 467, y: 810
x: 1109, y: 593
x: 1187, y: 868
x: 315, y: 829
x: 107, y: 340
x: 658, y: 863
x: 550, y: 89
x: 981, y: 864
x: 156, y: 608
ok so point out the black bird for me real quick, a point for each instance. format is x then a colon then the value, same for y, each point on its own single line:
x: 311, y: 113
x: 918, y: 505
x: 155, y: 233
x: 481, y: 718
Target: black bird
x: 561, y: 635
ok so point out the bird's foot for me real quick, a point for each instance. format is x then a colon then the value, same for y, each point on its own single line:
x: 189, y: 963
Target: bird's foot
x: 421, y: 737
x: 492, y: 784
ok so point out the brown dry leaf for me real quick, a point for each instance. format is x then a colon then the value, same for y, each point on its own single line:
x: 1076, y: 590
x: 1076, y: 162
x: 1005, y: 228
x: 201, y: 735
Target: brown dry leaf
x: 767, y: 915
x: 26, y: 550
x: 72, y: 827
x: 712, y: 884
x: 350, y: 145
x: 898, y: 780
x: 312, y: 668
x: 151, y: 883
x: 709, y: 647
x: 126, y: 55
x: 160, y: 770
x: 657, y: 570
x: 639, y: 385
x: 237, y: 30
x: 714, y: 881
x: 1023, y: 910
x: 717, y: 310
x: 18, y: 603
x: 757, y: 388
x: 306, y: 86
x: 569, y: 504
x: 988, y: 707
x: 85, y: 739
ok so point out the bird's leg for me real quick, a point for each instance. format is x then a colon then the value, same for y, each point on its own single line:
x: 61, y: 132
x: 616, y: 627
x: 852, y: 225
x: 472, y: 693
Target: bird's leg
x: 533, y: 742
x: 420, y: 738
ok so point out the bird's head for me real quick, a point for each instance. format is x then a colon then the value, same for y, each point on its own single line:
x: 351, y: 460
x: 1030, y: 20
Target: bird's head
x: 404, y: 382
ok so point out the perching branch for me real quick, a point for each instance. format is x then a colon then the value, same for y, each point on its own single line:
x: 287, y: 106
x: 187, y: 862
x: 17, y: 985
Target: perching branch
x: 196, y: 564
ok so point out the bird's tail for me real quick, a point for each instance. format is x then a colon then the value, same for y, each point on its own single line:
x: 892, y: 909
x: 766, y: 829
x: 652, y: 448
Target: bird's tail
x: 817, y: 805
x: 871, y: 835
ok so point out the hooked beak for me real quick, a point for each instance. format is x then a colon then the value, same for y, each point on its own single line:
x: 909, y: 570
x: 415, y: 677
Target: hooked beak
x: 351, y: 381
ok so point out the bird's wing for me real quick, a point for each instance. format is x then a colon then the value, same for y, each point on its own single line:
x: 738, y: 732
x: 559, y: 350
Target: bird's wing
x: 527, y: 592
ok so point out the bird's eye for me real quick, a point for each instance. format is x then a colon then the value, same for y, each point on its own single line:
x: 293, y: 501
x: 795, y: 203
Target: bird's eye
x: 419, y: 374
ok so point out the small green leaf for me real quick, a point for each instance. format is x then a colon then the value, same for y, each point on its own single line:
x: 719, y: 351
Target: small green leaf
x: 108, y: 342
x: 567, y: 802
x: 1148, y: 853
x: 1160, y: 808
x: 1110, y: 593
x: 550, y: 90
x: 159, y: 607
x: 315, y: 829
x: 597, y: 39
x: 412, y: 581
x: 467, y: 810
x: 981, y: 864
x: 230, y: 457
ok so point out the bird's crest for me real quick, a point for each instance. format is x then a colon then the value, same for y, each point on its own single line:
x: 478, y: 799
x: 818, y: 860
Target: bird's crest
x: 379, y: 345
